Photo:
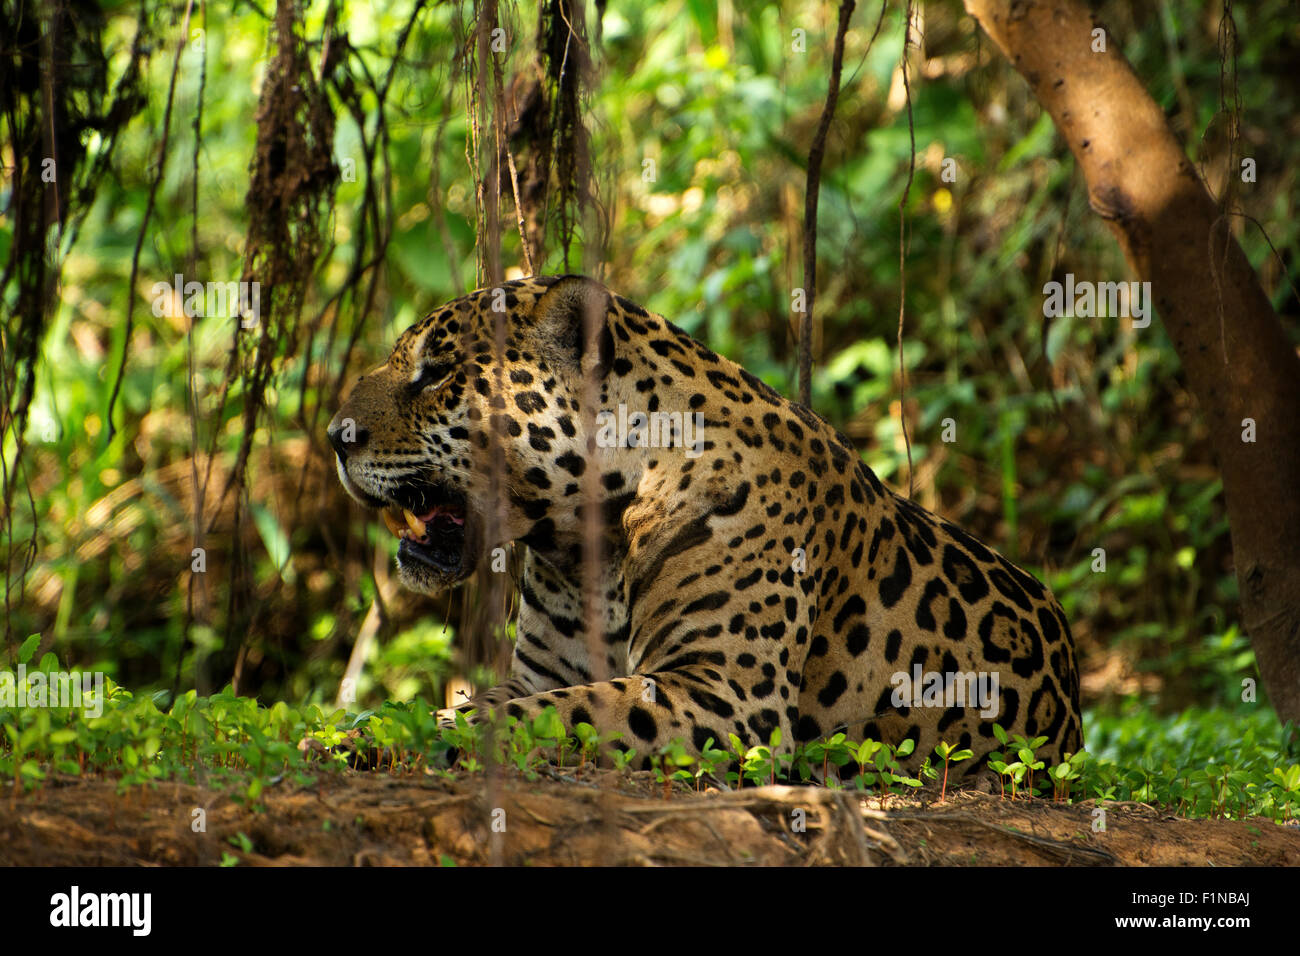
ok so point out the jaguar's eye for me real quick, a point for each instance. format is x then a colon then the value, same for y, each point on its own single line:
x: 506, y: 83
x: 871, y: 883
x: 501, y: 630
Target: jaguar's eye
x: 432, y: 375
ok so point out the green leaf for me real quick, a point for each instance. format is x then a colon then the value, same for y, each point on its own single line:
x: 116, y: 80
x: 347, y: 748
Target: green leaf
x: 1058, y: 336
x: 274, y: 537
x: 28, y: 648
x: 548, y: 726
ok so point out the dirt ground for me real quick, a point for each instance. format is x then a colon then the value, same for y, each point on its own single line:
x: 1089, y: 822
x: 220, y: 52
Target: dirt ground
x: 597, y: 817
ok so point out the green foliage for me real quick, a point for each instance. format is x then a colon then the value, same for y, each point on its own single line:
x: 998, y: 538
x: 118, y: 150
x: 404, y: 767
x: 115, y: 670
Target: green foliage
x: 1201, y: 763
x: 1210, y: 762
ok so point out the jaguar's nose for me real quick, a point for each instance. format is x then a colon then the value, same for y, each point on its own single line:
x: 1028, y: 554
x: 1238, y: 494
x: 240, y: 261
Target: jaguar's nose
x: 346, y: 436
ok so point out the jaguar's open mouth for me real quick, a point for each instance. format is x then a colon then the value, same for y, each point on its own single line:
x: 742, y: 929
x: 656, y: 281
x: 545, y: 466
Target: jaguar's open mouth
x: 434, y: 525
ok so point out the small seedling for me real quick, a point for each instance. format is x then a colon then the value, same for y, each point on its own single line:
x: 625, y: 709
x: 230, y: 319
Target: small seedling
x: 1025, y: 750
x: 889, y: 768
x: 548, y: 730
x: 588, y: 743
x: 948, y: 754
x: 1065, y: 773
x: 862, y: 755
x: 710, y: 758
x: 621, y: 757
x: 670, y: 764
x: 1289, y: 781
x: 738, y: 752
x: 832, y: 750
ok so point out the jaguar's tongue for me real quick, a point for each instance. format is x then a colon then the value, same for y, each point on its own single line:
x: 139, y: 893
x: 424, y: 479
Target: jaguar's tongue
x: 444, y: 518
x: 406, y: 524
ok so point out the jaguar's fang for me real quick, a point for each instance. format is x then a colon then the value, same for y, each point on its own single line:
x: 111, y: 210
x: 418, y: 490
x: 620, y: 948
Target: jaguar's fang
x: 415, y: 524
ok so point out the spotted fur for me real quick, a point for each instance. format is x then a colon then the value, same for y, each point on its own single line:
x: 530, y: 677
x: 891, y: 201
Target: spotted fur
x: 710, y: 623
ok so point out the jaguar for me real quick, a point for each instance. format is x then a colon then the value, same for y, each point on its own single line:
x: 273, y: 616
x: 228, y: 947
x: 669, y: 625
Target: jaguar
x: 750, y: 573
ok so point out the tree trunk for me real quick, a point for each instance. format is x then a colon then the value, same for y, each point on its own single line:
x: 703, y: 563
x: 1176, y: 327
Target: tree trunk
x: 1238, y: 360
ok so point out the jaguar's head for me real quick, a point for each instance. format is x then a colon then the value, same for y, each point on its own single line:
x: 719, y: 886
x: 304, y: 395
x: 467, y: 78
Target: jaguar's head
x: 470, y: 436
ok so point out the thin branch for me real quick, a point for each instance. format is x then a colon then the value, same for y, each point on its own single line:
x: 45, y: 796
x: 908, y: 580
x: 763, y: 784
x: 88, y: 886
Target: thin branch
x: 902, y: 249
x: 811, y: 195
x: 503, y: 146
x: 144, y: 222
x: 191, y: 391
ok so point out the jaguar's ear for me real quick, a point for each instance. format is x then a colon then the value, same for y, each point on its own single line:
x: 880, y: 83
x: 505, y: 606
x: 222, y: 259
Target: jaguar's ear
x: 572, y: 318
